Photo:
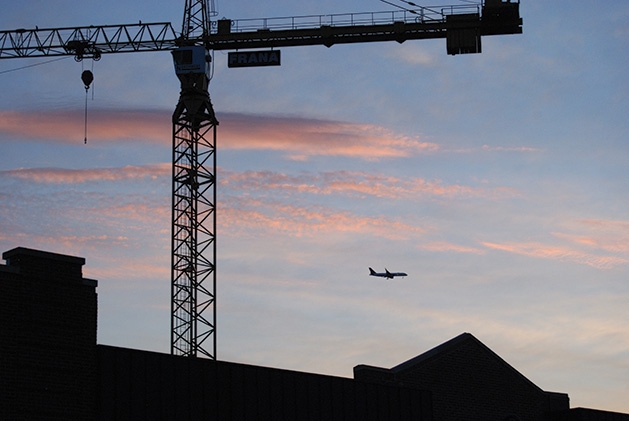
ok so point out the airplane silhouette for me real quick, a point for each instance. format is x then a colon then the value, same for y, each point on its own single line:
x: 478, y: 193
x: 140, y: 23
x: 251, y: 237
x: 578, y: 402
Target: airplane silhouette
x: 386, y: 274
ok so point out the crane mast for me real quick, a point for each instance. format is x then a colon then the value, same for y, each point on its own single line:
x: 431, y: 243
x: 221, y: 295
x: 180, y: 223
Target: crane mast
x: 193, y: 264
x: 194, y: 123
x: 196, y: 19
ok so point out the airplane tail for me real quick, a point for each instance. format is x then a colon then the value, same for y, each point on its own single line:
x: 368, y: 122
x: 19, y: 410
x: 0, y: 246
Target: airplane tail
x: 371, y: 271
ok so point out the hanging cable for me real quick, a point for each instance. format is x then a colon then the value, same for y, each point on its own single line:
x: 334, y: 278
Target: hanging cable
x: 410, y: 3
x: 87, y: 77
x: 93, y: 85
x: 32, y: 65
x: 211, y: 65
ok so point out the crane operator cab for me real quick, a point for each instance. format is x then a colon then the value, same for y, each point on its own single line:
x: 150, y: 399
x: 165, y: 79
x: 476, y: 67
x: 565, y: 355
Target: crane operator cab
x: 193, y: 66
x: 192, y: 60
x: 193, y: 69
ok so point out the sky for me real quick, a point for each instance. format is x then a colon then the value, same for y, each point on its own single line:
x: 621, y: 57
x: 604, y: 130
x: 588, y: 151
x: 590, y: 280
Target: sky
x: 497, y: 181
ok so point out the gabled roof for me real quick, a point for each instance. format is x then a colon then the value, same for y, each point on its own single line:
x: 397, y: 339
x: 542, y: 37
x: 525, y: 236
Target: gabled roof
x: 451, y: 345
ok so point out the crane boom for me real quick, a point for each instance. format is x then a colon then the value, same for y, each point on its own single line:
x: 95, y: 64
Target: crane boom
x: 87, y: 41
x: 462, y: 26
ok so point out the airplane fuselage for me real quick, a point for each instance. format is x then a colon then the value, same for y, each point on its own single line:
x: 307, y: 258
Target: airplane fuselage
x: 386, y: 274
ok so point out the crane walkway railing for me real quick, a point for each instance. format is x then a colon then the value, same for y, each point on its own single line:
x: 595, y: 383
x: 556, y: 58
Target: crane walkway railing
x: 419, y: 15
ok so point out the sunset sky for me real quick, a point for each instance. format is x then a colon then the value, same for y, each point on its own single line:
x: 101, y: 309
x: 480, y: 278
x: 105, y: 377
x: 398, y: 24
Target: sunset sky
x: 497, y: 181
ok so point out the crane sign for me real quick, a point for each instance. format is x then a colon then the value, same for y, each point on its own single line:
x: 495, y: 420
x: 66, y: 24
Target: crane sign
x: 194, y: 123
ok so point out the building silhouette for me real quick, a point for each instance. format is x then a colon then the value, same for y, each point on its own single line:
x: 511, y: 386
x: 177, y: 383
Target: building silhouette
x: 51, y: 368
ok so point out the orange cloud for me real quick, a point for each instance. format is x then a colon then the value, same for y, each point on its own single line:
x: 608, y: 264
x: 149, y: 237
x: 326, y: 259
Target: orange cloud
x: 300, y: 138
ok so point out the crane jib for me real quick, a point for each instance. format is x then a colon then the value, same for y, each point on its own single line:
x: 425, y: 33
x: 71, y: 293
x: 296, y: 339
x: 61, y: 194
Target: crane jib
x: 462, y: 26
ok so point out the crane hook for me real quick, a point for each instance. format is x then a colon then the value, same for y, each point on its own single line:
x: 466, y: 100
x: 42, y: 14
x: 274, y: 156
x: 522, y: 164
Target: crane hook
x: 87, y: 77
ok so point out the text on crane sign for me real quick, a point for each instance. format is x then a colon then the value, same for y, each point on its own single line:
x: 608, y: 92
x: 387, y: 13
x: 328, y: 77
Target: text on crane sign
x: 253, y: 58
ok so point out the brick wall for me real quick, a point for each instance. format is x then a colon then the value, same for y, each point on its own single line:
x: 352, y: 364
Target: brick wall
x: 48, y: 322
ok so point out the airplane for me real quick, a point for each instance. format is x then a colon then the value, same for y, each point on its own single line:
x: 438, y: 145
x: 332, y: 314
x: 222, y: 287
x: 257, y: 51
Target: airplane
x: 386, y: 274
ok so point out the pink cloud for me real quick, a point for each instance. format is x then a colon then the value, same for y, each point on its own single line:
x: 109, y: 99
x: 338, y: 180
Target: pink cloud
x: 510, y: 149
x: 74, y: 244
x: 488, y: 148
x: 302, y: 137
x: 134, y: 216
x: 67, y: 126
x: 121, y: 268
x: 243, y: 216
x: 602, y: 244
x: 443, y: 246
x: 359, y: 184
x: 116, y: 220
x: 67, y: 176
x: 608, y: 235
x: 610, y: 243
x: 130, y: 270
x: 564, y: 254
x: 299, y: 138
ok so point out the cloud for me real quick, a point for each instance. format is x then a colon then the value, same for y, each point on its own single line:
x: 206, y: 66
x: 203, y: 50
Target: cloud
x: 414, y: 55
x: 131, y: 270
x: 72, y: 176
x: 560, y: 253
x: 443, y: 246
x: 608, y: 235
x: 599, y: 243
x: 66, y: 126
x: 300, y: 138
x: 246, y: 216
x: 257, y: 183
x: 251, y: 203
x: 488, y: 148
x: 620, y: 244
x: 74, y: 242
x: 357, y: 184
x: 103, y: 219
x: 297, y: 137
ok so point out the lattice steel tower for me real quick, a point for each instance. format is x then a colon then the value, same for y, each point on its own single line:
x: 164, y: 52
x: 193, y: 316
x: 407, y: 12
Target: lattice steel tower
x: 193, y: 268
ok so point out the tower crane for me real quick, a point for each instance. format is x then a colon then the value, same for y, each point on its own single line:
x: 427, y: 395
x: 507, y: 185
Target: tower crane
x: 194, y: 123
